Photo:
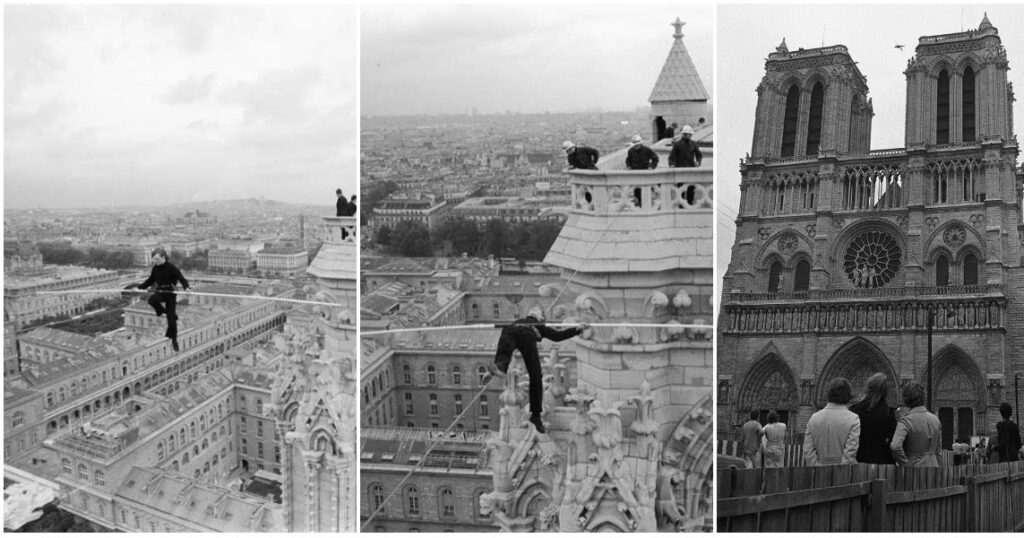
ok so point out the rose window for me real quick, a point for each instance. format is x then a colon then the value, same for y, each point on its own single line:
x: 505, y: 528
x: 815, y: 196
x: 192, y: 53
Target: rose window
x: 872, y: 259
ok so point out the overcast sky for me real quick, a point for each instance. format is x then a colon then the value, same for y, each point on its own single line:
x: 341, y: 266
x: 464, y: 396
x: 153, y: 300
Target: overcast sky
x: 525, y: 58
x: 136, y: 104
x: 747, y: 34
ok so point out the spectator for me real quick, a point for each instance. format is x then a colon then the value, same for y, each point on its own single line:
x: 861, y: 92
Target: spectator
x: 877, y: 421
x: 833, y: 433
x: 774, y: 436
x: 1008, y: 434
x: 582, y: 157
x: 750, y: 441
x: 916, y: 442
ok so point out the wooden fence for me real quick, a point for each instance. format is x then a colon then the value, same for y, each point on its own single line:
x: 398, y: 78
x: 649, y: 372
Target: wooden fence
x: 876, y: 498
x: 794, y: 453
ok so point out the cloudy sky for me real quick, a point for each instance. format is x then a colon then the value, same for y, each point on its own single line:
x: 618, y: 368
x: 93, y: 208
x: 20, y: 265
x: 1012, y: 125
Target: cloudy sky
x: 747, y: 34
x: 526, y: 58
x: 136, y: 104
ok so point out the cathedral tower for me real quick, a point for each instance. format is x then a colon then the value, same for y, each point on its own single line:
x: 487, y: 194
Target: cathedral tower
x: 679, y: 95
x: 809, y: 102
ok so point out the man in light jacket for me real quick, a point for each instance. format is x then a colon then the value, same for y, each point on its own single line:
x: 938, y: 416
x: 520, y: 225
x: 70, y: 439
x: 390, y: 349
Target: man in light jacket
x: 916, y: 442
x: 833, y: 433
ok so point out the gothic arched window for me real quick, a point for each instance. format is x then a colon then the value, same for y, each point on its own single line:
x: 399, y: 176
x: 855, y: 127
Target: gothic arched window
x: 970, y: 270
x: 774, y: 277
x: 942, y: 270
x: 790, y: 120
x: 802, y: 276
x: 942, y: 109
x: 447, y: 502
x: 968, y: 105
x: 814, y: 119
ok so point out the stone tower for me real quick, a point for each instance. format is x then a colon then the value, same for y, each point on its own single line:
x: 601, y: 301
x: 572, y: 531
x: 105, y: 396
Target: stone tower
x: 679, y: 95
x: 314, y: 395
x: 629, y: 437
x: 811, y: 101
x: 843, y: 256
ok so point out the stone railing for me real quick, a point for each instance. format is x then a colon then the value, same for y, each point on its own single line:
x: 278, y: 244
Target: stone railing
x: 803, y: 53
x: 668, y: 190
x: 339, y: 230
x: 865, y: 293
x: 949, y: 314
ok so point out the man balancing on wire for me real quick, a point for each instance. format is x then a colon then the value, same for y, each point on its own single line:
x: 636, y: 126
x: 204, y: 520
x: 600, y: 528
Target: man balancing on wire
x: 165, y: 275
x: 523, y: 335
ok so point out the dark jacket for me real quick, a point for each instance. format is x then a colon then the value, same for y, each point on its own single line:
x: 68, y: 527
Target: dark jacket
x: 641, y: 157
x: 670, y: 132
x: 684, y: 154
x: 583, y: 157
x: 352, y: 207
x: 342, y: 207
x: 1009, y: 440
x: 164, y: 276
x: 877, y: 427
x: 524, y: 335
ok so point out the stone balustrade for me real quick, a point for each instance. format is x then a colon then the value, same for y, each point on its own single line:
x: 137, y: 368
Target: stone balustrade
x: 668, y: 190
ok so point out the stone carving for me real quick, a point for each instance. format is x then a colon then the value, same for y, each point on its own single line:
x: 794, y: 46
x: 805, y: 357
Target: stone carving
x: 838, y: 223
x: 788, y: 243
x: 901, y: 221
x: 811, y: 230
x: 931, y: 222
x: 954, y: 236
x: 978, y: 219
x: 764, y: 233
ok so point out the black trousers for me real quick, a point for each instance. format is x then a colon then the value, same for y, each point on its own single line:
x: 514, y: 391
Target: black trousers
x: 165, y: 303
x: 523, y: 339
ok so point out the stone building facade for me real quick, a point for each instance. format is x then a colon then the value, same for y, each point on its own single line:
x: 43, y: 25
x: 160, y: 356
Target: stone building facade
x: 628, y: 411
x: 844, y: 255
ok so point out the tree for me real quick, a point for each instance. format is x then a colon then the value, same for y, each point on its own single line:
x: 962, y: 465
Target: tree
x: 372, y: 196
x: 495, y: 237
x: 459, y: 234
x: 412, y: 238
x: 383, y: 237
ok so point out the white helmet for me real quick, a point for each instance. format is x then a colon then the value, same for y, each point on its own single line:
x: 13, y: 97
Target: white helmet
x: 636, y: 139
x: 687, y: 130
x: 567, y: 145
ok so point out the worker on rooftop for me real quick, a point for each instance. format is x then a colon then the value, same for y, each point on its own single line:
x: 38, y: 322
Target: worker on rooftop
x: 685, y: 153
x: 639, y: 156
x: 582, y: 157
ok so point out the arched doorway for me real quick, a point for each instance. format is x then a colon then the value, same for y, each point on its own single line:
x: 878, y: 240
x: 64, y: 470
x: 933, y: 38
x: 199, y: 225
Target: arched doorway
x: 768, y: 386
x: 856, y: 360
x: 959, y: 398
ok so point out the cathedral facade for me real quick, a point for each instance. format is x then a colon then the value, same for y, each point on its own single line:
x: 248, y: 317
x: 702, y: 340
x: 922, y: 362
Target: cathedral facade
x: 905, y: 261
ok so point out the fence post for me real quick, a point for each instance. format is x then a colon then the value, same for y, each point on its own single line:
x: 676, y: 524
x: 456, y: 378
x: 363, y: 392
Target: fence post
x: 971, y: 510
x: 876, y: 510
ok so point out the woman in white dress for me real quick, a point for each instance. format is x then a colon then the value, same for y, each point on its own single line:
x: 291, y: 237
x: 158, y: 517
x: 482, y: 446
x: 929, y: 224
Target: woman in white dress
x: 774, y: 439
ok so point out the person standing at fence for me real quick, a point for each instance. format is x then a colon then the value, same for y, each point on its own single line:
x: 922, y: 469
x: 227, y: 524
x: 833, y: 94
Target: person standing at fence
x: 750, y: 441
x: 833, y: 433
x: 877, y: 421
x: 1009, y: 435
x: 774, y: 437
x: 916, y: 442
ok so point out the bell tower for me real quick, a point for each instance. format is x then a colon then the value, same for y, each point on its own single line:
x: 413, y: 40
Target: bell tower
x: 809, y: 102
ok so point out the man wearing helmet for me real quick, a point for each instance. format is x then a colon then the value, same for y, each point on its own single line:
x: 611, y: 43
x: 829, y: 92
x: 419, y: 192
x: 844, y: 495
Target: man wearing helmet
x: 581, y: 157
x: 685, y: 153
x: 639, y: 156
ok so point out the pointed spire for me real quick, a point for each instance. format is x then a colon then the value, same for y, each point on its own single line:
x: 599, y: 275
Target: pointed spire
x: 985, y: 24
x: 782, y: 46
x: 678, y: 24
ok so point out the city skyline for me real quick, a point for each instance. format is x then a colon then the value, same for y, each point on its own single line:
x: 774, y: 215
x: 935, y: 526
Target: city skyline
x: 121, y: 104
x: 538, y: 61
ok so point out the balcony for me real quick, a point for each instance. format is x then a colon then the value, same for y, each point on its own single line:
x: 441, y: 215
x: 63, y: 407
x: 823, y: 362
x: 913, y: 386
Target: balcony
x: 663, y: 190
x: 867, y: 294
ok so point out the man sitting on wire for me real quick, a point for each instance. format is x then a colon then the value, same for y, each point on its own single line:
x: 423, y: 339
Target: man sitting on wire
x: 165, y: 275
x: 523, y: 335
